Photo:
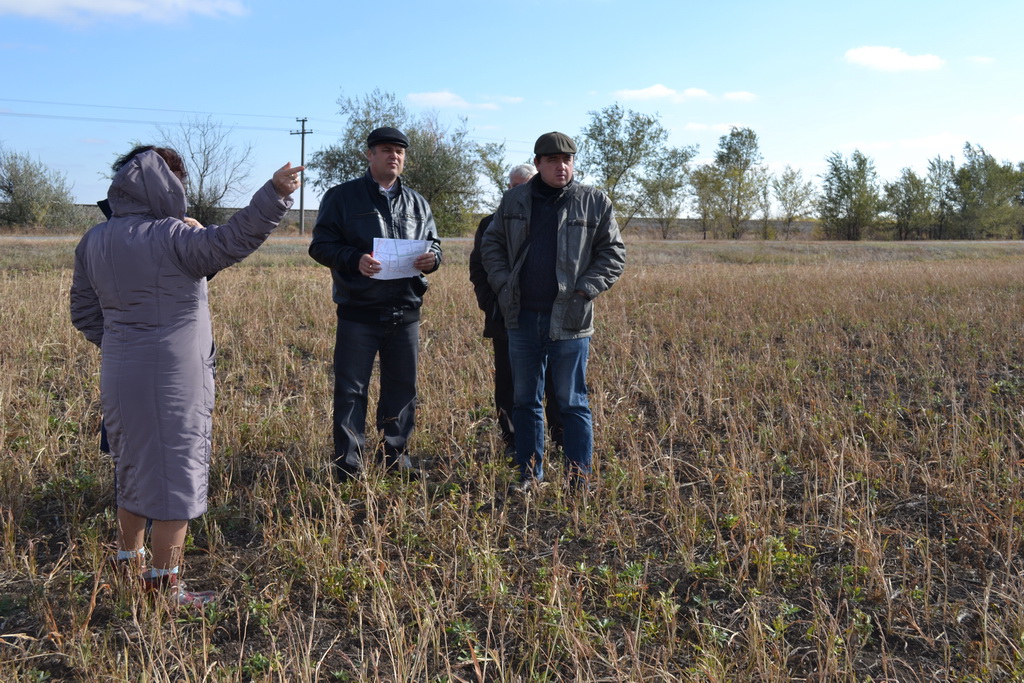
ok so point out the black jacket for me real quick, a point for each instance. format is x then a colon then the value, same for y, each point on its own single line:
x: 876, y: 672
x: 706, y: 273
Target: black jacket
x: 486, y: 299
x: 351, y: 215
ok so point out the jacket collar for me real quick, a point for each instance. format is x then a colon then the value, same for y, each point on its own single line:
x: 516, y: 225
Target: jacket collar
x: 395, y: 190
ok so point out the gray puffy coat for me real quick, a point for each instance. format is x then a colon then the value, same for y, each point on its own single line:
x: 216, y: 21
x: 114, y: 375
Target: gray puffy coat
x: 139, y: 293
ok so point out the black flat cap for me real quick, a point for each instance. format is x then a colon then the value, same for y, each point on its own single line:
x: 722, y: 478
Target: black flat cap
x: 554, y: 143
x: 379, y: 136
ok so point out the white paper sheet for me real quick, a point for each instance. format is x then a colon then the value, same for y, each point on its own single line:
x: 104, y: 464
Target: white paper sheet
x: 397, y: 257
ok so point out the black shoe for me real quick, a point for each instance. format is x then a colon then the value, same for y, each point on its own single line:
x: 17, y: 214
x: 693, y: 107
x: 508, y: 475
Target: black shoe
x: 510, y: 455
x: 346, y: 471
x: 527, y: 487
x: 579, y: 484
x: 402, y: 464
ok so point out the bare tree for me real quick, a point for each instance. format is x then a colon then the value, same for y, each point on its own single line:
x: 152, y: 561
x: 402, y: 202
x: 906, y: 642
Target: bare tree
x: 217, y: 167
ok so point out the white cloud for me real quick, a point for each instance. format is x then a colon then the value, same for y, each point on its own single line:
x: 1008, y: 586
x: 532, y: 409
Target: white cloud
x: 695, y: 94
x: 983, y: 61
x: 892, y: 59
x: 661, y: 92
x: 655, y: 92
x: 79, y: 10
x: 446, y: 100
x: 506, y: 99
x: 740, y: 96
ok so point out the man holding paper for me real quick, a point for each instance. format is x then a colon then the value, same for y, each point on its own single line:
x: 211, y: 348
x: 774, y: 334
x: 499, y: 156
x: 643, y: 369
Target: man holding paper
x: 378, y: 304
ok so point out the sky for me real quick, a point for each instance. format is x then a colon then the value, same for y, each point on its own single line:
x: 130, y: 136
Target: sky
x: 903, y: 81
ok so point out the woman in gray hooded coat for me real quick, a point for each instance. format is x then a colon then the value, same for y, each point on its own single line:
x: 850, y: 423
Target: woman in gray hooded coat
x: 139, y: 293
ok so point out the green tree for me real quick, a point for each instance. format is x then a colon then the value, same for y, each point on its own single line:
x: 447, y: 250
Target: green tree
x: 794, y: 197
x: 613, y: 149
x: 764, y: 207
x: 985, y: 196
x: 909, y: 203
x: 664, y: 187
x: 941, y: 192
x: 708, y: 197
x: 738, y: 159
x: 443, y: 168
x: 217, y: 167
x: 33, y: 195
x: 441, y: 163
x: 494, y: 168
x: 850, y: 198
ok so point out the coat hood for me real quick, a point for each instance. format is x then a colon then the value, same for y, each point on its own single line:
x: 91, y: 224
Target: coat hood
x: 145, y: 186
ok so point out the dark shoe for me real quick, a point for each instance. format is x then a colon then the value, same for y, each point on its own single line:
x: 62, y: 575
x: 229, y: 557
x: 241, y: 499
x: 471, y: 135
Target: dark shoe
x: 401, y: 464
x: 527, y: 487
x: 344, y: 474
x: 578, y: 482
x: 580, y: 486
x: 347, y: 468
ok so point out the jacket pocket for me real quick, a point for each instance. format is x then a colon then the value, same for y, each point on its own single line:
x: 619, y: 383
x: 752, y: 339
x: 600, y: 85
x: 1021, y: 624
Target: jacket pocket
x: 504, y: 299
x: 579, y: 313
x: 408, y: 225
x: 578, y: 237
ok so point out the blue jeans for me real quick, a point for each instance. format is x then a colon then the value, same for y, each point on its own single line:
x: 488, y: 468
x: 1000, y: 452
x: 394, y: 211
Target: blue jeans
x: 533, y: 353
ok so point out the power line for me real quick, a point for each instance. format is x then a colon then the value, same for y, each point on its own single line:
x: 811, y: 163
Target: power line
x: 94, y: 119
x: 114, y: 106
x: 68, y: 117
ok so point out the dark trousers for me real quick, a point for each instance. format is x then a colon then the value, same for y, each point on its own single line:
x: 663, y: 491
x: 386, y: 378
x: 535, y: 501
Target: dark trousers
x: 357, y: 345
x: 504, y: 392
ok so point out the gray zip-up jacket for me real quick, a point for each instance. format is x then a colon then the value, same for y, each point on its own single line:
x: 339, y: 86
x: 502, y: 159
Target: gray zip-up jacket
x: 591, y: 255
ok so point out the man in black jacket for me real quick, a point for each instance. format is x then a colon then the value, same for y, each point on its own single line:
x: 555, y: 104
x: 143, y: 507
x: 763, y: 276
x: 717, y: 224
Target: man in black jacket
x: 494, y: 329
x: 375, y: 316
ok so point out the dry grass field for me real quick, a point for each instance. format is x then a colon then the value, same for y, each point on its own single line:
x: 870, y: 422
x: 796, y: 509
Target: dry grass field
x: 808, y: 459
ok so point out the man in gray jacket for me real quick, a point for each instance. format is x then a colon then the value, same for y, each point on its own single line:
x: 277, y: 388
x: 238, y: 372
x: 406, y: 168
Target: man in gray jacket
x: 551, y: 248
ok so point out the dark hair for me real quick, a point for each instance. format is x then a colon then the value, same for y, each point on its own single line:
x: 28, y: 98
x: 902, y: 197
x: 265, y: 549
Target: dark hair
x: 173, y: 159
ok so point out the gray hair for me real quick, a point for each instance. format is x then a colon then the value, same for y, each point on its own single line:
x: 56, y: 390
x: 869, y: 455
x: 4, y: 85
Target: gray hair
x: 524, y: 171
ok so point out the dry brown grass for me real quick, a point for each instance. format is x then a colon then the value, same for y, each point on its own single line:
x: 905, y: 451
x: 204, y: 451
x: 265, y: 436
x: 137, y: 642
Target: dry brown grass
x: 808, y: 459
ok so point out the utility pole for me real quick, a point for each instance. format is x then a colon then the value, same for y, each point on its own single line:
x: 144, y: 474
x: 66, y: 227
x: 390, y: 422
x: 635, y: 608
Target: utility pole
x: 302, y: 187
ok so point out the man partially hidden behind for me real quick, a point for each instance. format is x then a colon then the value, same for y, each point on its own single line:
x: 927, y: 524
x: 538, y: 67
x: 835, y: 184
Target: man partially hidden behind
x: 551, y: 248
x: 494, y: 329
x: 374, y: 316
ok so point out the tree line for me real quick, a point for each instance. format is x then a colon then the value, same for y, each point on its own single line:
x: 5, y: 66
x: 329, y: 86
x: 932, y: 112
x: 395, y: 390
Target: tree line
x: 623, y: 152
